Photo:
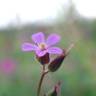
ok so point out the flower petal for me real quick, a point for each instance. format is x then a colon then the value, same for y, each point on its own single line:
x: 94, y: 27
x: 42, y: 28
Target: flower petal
x: 28, y: 47
x: 41, y: 53
x: 53, y: 39
x: 38, y: 37
x: 55, y: 50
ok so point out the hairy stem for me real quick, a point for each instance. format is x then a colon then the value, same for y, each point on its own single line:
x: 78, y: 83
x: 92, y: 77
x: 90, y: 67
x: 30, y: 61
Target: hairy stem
x: 41, y: 81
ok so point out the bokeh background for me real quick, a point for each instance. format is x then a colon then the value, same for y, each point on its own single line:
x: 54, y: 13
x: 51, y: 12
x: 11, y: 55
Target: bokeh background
x: 20, y: 71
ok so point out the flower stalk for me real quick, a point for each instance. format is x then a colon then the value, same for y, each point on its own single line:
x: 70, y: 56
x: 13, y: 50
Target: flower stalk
x: 44, y: 72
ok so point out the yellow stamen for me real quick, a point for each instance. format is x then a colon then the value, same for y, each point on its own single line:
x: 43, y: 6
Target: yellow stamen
x: 42, y: 46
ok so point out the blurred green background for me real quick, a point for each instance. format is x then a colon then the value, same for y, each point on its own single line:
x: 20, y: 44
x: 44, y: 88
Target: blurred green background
x: 78, y: 71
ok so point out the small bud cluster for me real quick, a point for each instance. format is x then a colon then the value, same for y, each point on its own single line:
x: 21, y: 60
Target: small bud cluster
x: 55, y: 64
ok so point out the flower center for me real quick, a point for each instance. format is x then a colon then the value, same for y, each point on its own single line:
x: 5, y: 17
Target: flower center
x: 42, y: 46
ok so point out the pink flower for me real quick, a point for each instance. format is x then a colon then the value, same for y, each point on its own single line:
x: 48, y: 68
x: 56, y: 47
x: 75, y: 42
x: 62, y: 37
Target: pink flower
x: 42, y: 46
x: 7, y: 66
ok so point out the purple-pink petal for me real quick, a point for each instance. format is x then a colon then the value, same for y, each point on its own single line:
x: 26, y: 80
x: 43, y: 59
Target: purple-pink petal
x: 41, y: 53
x: 38, y: 37
x: 28, y: 47
x: 52, y: 39
x: 55, y: 50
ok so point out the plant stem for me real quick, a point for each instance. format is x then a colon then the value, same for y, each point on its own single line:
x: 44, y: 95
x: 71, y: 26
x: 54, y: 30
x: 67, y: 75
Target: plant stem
x: 40, y: 82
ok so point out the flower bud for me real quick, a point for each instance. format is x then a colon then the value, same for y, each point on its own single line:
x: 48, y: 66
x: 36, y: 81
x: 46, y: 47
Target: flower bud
x: 56, y: 63
x: 44, y: 59
x: 55, y: 91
